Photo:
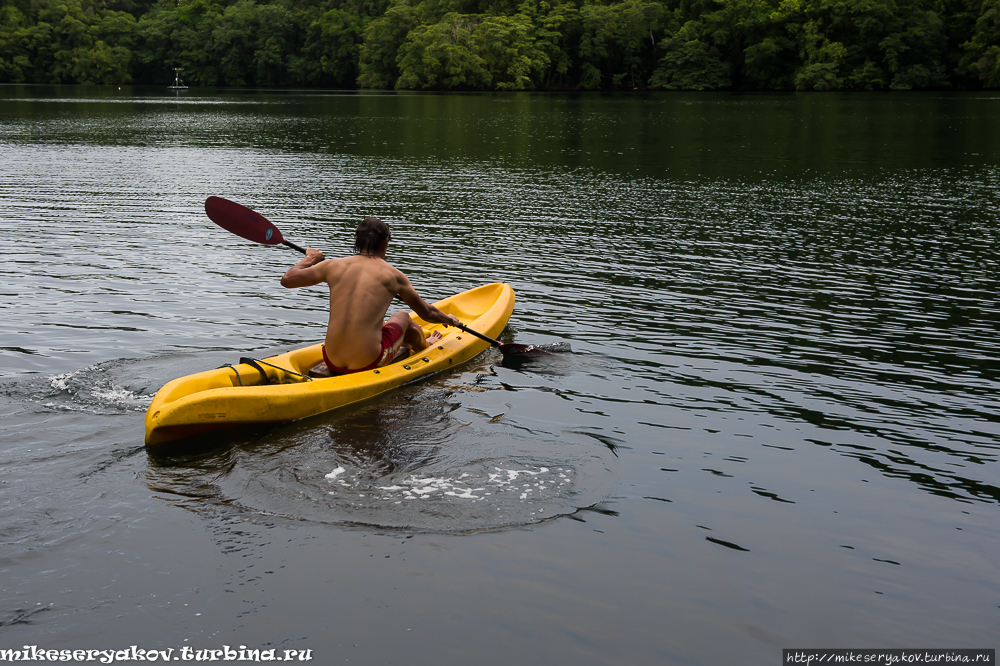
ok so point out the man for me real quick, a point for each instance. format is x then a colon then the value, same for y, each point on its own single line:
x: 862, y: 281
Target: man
x: 362, y: 287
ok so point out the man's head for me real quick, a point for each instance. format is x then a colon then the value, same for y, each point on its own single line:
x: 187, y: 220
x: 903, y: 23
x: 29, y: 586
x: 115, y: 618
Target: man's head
x: 371, y: 236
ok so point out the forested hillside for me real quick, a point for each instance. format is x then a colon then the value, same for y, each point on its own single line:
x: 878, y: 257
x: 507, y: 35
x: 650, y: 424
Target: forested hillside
x: 507, y: 44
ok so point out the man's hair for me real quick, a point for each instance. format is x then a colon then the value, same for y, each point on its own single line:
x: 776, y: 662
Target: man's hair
x: 371, y: 234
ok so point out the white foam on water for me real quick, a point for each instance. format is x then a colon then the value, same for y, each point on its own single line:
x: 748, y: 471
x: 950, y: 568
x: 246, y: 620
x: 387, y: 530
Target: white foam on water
x: 65, y: 408
x: 471, y: 487
x: 466, y: 494
x: 512, y: 474
x: 530, y: 484
x: 421, y: 487
x: 61, y: 382
x: 117, y: 395
x: 91, y: 389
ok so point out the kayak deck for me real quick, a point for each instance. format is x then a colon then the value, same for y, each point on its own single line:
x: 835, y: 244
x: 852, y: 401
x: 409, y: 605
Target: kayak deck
x: 237, y: 395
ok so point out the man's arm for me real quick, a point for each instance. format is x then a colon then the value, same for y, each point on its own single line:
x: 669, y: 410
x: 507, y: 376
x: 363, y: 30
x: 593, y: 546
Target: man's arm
x: 422, y: 308
x: 304, y: 273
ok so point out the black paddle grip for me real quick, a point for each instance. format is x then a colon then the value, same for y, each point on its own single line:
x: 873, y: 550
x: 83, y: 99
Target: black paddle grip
x: 293, y: 246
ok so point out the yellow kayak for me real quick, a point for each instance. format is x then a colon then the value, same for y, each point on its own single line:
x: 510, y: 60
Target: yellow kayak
x: 236, y: 395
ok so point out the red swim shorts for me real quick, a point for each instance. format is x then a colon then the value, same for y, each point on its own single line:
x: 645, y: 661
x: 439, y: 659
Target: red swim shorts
x: 392, y: 340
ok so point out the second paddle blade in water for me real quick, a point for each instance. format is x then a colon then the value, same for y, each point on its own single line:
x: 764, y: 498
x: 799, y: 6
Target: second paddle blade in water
x: 513, y: 349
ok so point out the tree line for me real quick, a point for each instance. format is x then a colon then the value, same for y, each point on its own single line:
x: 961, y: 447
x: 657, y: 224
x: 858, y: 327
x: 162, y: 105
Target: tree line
x: 507, y: 44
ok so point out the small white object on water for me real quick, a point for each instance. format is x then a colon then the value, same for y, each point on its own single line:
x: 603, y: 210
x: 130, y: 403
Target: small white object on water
x: 335, y: 473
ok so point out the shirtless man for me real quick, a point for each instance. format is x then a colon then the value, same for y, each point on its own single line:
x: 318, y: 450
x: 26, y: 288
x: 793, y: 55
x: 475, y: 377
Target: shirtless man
x: 362, y: 287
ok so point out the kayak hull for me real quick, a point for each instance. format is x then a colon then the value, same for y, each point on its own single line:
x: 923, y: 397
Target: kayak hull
x: 228, y: 397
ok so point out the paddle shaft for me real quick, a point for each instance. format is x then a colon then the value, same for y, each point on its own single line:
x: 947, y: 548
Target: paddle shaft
x: 495, y: 343
x: 293, y: 246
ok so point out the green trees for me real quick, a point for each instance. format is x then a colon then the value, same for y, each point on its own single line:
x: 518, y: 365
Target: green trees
x: 331, y: 50
x: 383, y: 39
x: 250, y: 43
x: 982, y: 59
x: 617, y: 42
x: 464, y: 51
x: 809, y: 45
x: 66, y: 41
x: 180, y: 35
x: 691, y: 62
x: 867, y: 45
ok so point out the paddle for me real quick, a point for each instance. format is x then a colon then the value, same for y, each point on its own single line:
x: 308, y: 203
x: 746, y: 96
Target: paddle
x: 253, y: 226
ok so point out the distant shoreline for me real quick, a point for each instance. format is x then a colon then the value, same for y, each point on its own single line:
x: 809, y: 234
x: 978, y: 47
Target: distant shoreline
x: 472, y: 45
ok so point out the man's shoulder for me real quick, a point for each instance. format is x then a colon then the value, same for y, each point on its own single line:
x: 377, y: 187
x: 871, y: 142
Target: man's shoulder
x: 355, y: 266
x: 397, y: 274
x: 391, y: 267
x: 349, y: 261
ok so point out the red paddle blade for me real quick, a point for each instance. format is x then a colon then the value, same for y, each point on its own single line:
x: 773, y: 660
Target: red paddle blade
x: 242, y: 221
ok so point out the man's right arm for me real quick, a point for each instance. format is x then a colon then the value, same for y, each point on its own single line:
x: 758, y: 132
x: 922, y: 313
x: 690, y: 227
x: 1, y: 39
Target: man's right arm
x: 305, y: 273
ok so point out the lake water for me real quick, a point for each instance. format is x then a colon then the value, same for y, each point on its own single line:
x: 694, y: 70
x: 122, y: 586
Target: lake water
x: 774, y: 423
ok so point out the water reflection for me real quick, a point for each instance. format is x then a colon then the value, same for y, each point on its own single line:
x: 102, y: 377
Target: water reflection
x: 680, y: 136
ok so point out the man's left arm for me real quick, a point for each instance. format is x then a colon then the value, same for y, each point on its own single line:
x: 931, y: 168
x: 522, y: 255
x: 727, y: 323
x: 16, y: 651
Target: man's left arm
x: 305, y: 273
x: 422, y: 308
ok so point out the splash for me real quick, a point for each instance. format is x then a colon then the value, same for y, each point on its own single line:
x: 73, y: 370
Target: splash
x: 98, y: 389
x: 525, y: 484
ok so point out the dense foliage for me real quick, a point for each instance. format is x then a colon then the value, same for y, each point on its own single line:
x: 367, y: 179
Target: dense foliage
x: 507, y: 44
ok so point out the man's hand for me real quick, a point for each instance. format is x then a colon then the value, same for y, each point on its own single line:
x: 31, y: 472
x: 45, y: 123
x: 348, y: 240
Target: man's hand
x: 313, y: 257
x: 303, y: 274
x: 452, y: 320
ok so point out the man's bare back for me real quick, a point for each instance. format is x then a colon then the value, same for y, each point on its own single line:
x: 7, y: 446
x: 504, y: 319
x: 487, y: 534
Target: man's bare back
x: 361, y: 289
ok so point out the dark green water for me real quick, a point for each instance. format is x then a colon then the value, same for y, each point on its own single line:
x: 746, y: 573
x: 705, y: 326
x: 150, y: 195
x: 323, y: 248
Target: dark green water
x: 776, y: 425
